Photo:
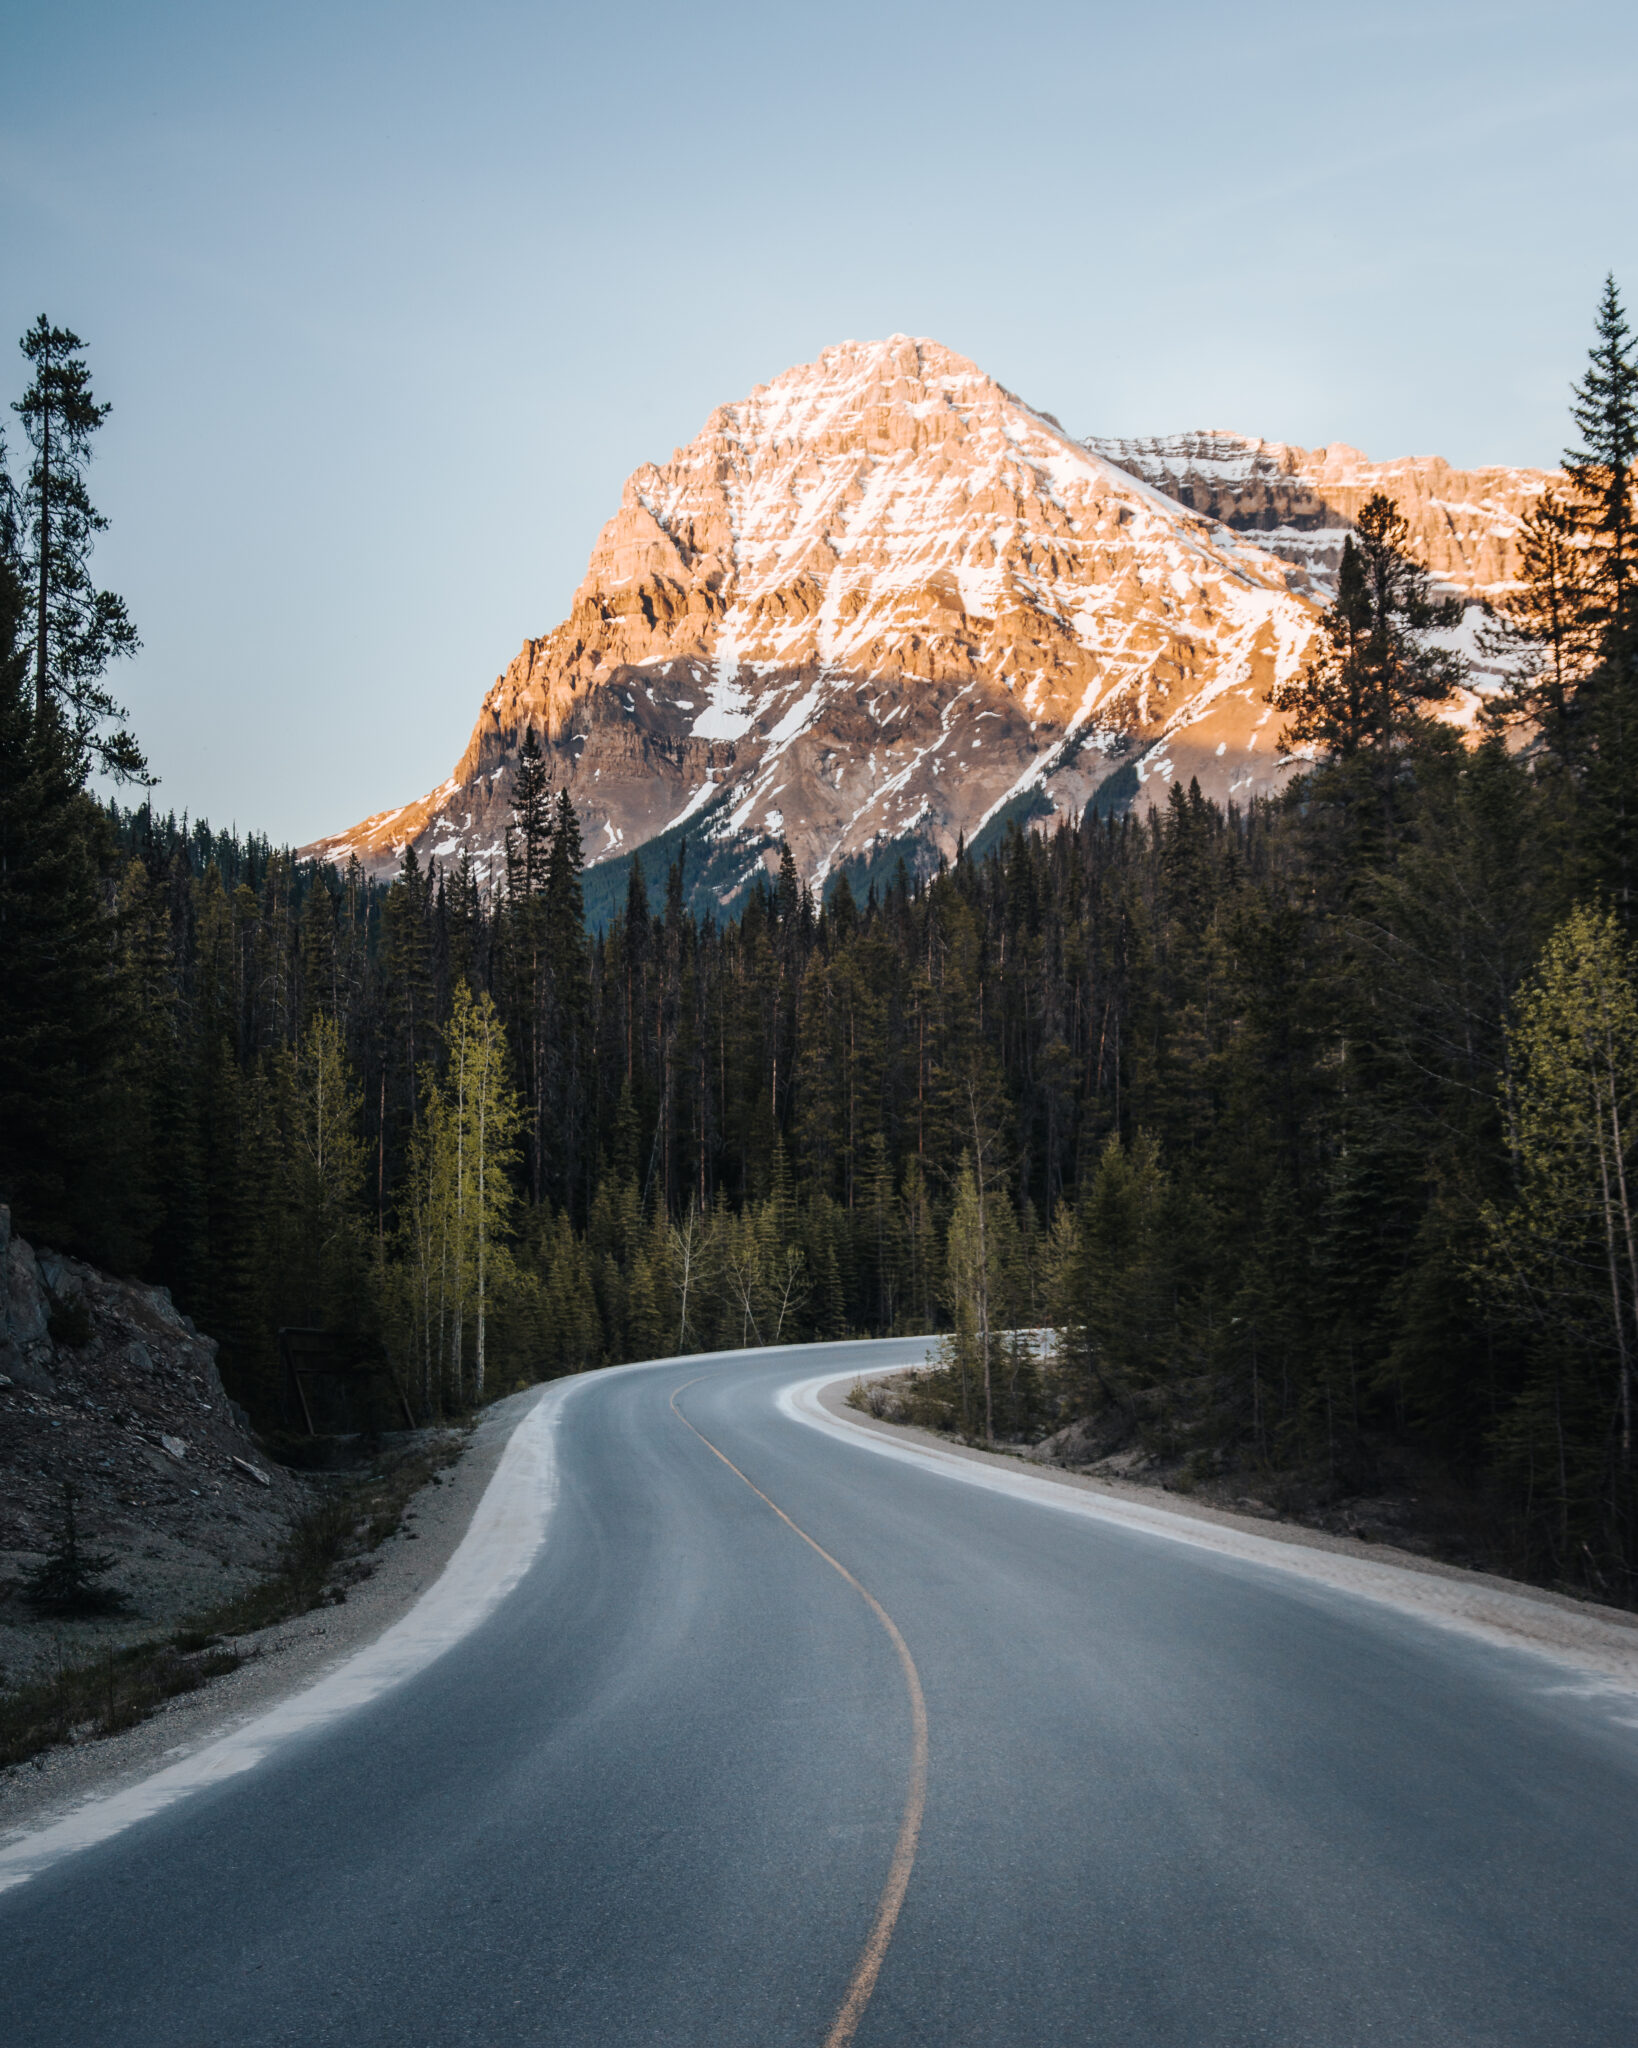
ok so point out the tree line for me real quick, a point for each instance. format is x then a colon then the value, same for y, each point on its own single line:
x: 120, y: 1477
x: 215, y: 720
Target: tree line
x: 1309, y: 1127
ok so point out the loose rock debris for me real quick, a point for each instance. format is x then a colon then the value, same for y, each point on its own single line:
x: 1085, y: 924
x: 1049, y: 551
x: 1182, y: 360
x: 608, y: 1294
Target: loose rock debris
x: 136, y: 1419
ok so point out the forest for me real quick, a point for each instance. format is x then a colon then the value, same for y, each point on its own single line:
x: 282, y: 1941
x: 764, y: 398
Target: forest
x: 1309, y: 1129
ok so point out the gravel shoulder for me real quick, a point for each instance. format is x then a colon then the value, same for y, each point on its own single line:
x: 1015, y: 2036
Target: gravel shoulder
x: 280, y: 1660
x: 1601, y: 1643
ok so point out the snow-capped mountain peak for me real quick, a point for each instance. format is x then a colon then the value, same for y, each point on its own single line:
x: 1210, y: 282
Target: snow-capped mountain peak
x: 881, y: 600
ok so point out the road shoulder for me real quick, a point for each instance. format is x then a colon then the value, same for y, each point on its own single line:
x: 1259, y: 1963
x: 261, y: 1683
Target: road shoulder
x: 280, y: 1661
x: 1599, y: 1643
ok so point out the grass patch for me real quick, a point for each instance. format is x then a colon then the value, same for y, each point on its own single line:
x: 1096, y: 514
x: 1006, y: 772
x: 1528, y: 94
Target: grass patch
x: 324, y: 1552
x: 114, y: 1691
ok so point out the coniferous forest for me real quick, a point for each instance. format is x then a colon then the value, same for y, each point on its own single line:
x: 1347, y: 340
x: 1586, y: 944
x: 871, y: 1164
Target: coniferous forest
x: 1311, y: 1129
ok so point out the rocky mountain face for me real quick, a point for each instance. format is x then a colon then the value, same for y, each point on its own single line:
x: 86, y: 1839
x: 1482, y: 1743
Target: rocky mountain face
x: 882, y: 603
x: 1300, y: 502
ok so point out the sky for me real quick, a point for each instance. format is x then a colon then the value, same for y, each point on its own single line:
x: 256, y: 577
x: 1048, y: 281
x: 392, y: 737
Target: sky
x: 389, y: 300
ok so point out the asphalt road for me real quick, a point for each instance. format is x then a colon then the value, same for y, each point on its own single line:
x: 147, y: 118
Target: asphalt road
x: 1170, y: 1798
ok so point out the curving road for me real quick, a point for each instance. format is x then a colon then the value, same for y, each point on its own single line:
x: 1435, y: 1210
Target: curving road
x: 668, y: 1792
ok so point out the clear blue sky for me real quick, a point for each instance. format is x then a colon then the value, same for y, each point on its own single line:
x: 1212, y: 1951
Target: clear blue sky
x: 389, y: 299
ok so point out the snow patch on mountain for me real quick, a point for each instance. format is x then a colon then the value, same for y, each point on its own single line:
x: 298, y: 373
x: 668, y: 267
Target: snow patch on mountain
x: 880, y: 597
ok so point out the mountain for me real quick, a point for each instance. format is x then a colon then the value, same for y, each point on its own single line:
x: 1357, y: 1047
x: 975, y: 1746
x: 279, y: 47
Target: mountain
x: 882, y: 603
x: 1300, y: 502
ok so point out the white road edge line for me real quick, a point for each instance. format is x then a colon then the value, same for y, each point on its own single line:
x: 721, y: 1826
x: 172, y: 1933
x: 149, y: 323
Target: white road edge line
x: 1603, y: 1654
x: 503, y: 1539
x: 509, y: 1526
x: 507, y: 1529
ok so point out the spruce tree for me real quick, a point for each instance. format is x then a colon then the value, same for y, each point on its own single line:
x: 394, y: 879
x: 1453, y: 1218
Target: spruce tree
x: 465, y: 914
x: 320, y: 966
x: 1545, y: 633
x: 1563, y: 1254
x: 567, y: 1036
x: 1605, y: 412
x: 61, y: 998
x: 531, y: 815
x: 66, y: 1581
x: 1601, y: 471
x: 408, y: 976
x: 1368, y: 692
x: 565, y: 866
x: 77, y: 628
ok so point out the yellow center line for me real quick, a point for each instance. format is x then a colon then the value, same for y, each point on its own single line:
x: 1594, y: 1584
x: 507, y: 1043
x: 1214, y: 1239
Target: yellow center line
x: 863, y: 1983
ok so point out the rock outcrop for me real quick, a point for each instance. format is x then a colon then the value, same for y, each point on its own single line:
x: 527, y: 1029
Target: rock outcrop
x: 125, y: 1404
x: 881, y: 602
x: 1300, y: 502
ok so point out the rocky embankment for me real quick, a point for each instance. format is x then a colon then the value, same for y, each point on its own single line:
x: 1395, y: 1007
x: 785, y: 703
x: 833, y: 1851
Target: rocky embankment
x: 107, y: 1387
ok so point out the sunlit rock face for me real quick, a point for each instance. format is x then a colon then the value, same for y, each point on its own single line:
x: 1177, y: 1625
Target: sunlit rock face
x: 1300, y: 502
x: 881, y: 601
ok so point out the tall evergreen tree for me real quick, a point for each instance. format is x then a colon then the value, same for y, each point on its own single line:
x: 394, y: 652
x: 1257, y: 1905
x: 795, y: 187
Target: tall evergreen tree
x: 1601, y: 472
x: 1564, y: 1252
x: 320, y: 962
x: 61, y: 996
x: 1601, y: 469
x: 568, y: 1033
x: 77, y: 628
x: 410, y: 1019
x: 531, y: 816
x: 1546, y: 635
x: 1370, y: 689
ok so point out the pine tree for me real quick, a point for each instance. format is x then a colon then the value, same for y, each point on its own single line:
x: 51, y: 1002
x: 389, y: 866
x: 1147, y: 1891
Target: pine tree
x: 465, y: 922
x: 788, y: 895
x: 1117, y: 1304
x: 1606, y: 707
x: 1564, y: 1252
x: 320, y: 965
x: 66, y: 1581
x: 531, y: 816
x: 1368, y: 692
x: 62, y: 1022
x: 1546, y: 634
x: 567, y: 1028
x: 1601, y: 469
x: 409, y: 995
x: 161, y: 1057
x: 78, y: 629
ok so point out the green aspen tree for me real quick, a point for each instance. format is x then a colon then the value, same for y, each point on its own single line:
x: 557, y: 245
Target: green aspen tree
x: 744, y: 1262
x: 690, y: 1246
x: 484, y: 1120
x: 965, y: 1352
x: 325, y: 1161
x: 415, y: 1270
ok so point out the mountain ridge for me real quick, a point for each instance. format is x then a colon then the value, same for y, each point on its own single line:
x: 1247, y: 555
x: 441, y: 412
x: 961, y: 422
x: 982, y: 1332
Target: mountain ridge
x: 1302, y: 501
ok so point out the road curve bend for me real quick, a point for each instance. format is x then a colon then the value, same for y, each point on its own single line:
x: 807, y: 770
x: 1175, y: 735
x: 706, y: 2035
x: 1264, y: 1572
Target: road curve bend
x: 773, y: 1739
